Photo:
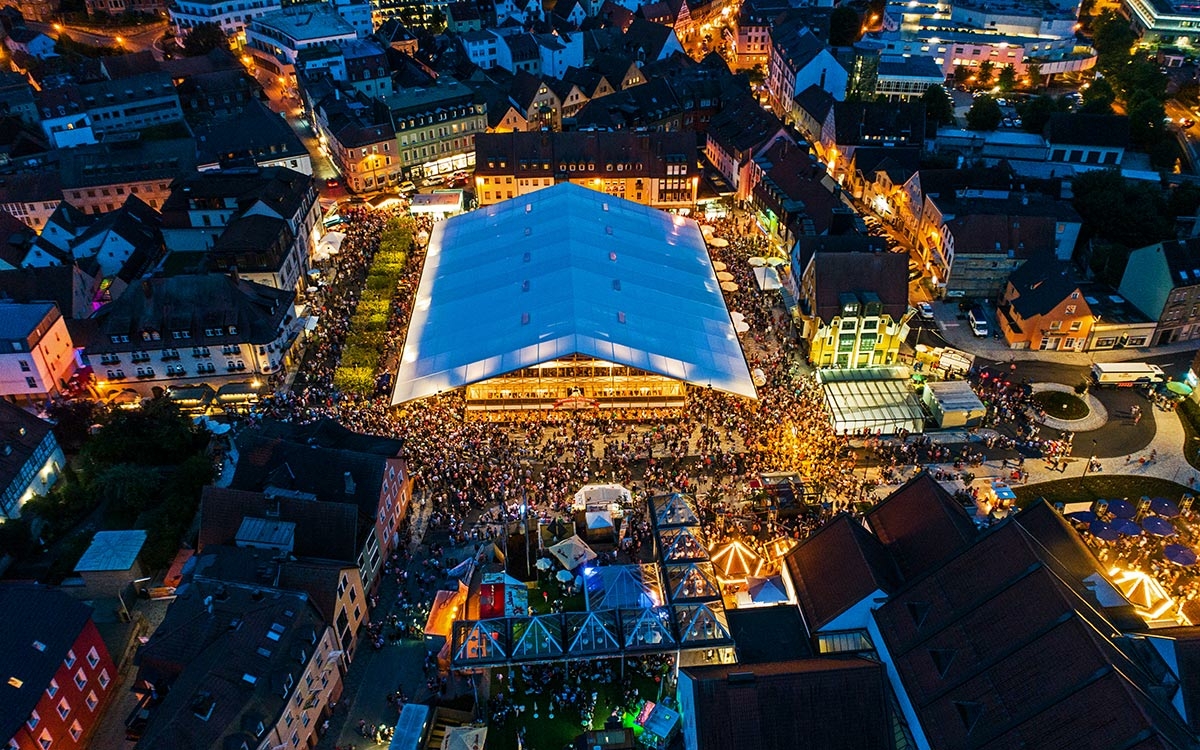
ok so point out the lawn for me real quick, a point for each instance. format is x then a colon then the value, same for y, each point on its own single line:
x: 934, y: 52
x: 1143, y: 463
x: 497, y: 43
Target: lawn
x: 545, y: 733
x: 1062, y: 405
x: 1089, y: 489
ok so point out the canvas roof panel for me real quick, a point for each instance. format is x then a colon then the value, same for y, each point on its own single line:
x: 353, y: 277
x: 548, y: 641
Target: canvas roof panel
x: 568, y: 270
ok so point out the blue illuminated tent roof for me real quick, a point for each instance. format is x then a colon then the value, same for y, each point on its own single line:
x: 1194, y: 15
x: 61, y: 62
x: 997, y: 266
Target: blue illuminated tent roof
x: 567, y: 270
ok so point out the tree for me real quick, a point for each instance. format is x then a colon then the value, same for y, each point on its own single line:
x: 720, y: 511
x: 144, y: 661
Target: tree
x: 985, y: 73
x: 1007, y: 80
x: 939, y: 107
x: 844, y: 26
x: 962, y: 74
x: 1112, y: 39
x: 1034, y: 71
x: 73, y: 422
x: 1098, y: 98
x: 1035, y: 113
x: 204, y: 38
x: 1113, y: 209
x: 984, y: 114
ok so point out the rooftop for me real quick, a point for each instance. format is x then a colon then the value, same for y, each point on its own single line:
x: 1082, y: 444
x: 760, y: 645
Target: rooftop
x: 112, y: 550
x: 568, y: 270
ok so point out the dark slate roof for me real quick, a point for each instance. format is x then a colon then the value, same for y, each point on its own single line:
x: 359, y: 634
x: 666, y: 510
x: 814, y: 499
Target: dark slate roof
x: 1041, y: 287
x: 920, y: 524
x: 816, y: 101
x: 1183, y: 261
x: 1079, y: 129
x: 899, y: 163
x: 20, y: 430
x: 194, y: 303
x: 328, y: 433
x: 1001, y: 234
x: 836, y: 568
x: 253, y: 134
x: 202, y: 656
x: 31, y: 615
x: 15, y: 239
x: 280, y: 189
x: 67, y: 286
x: 743, y: 125
x: 832, y: 703
x: 809, y: 245
x: 885, y: 274
x: 768, y: 634
x: 647, y: 38
x: 270, y: 462
x: 323, y: 530
x: 865, y: 123
x: 795, y: 44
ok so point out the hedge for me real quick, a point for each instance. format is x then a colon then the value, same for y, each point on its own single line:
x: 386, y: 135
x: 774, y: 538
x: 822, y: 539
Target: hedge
x: 363, y: 347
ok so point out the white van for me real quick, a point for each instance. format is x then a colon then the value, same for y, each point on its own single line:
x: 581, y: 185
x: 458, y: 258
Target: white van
x: 979, y: 324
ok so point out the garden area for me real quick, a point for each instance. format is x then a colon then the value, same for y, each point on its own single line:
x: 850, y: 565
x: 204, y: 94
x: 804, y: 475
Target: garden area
x: 135, y: 469
x: 551, y: 705
x: 1061, y: 405
x: 1089, y: 489
x: 363, y: 349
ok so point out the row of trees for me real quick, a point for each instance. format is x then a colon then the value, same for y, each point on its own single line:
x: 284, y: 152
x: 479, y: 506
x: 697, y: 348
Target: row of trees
x: 361, y: 353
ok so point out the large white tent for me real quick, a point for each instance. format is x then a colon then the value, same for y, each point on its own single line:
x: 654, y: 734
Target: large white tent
x: 572, y: 552
x: 565, y: 271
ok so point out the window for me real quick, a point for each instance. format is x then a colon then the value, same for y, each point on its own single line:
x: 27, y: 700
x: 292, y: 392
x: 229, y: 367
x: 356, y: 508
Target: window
x: 76, y: 730
x: 30, y: 382
x: 92, y: 701
x: 24, y: 365
x: 80, y: 679
x: 52, y: 689
x: 104, y: 680
x: 1069, y: 309
x: 93, y: 658
x: 64, y: 708
x: 1055, y: 325
x: 45, y: 740
x: 34, y: 720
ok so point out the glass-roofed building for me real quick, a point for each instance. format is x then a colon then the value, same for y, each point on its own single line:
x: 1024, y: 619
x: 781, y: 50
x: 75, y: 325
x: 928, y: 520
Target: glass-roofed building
x: 569, y: 298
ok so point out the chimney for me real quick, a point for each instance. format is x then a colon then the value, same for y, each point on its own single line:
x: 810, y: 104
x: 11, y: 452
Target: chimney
x: 349, y: 480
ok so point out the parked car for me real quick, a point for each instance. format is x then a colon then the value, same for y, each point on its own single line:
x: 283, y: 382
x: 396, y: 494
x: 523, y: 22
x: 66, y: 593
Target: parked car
x: 925, y: 310
x: 431, y: 181
x: 408, y: 187
x: 978, y: 321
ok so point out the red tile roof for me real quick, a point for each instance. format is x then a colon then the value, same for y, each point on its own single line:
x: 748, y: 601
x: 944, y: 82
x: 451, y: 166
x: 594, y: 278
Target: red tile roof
x: 920, y: 524
x: 836, y: 568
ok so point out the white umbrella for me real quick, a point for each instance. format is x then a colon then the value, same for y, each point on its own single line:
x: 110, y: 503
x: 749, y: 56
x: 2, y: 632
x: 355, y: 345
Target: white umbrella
x: 775, y: 260
x: 737, y: 316
x: 564, y: 576
x: 729, y: 286
x: 756, y: 261
x: 741, y: 327
x: 719, y: 242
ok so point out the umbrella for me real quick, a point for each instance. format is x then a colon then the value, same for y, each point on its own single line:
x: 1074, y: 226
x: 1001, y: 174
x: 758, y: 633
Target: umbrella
x: 756, y: 261
x: 1164, y: 507
x: 741, y: 327
x: 1102, y: 530
x: 719, y: 242
x: 1158, y: 526
x: 719, y: 266
x: 543, y: 564
x: 776, y: 261
x: 1121, y: 509
x: 1082, y: 516
x: 729, y: 286
x: 737, y: 316
x: 564, y: 576
x: 724, y: 276
x: 1125, y: 527
x: 1179, y: 387
x: 1179, y: 554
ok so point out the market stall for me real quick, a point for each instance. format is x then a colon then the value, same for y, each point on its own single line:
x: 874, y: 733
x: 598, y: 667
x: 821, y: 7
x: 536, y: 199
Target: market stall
x: 953, y: 403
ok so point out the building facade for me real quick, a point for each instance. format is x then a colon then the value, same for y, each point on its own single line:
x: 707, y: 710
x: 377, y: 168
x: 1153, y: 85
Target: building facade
x: 38, y: 355
x: 654, y: 169
x: 32, y: 462
x: 436, y: 128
